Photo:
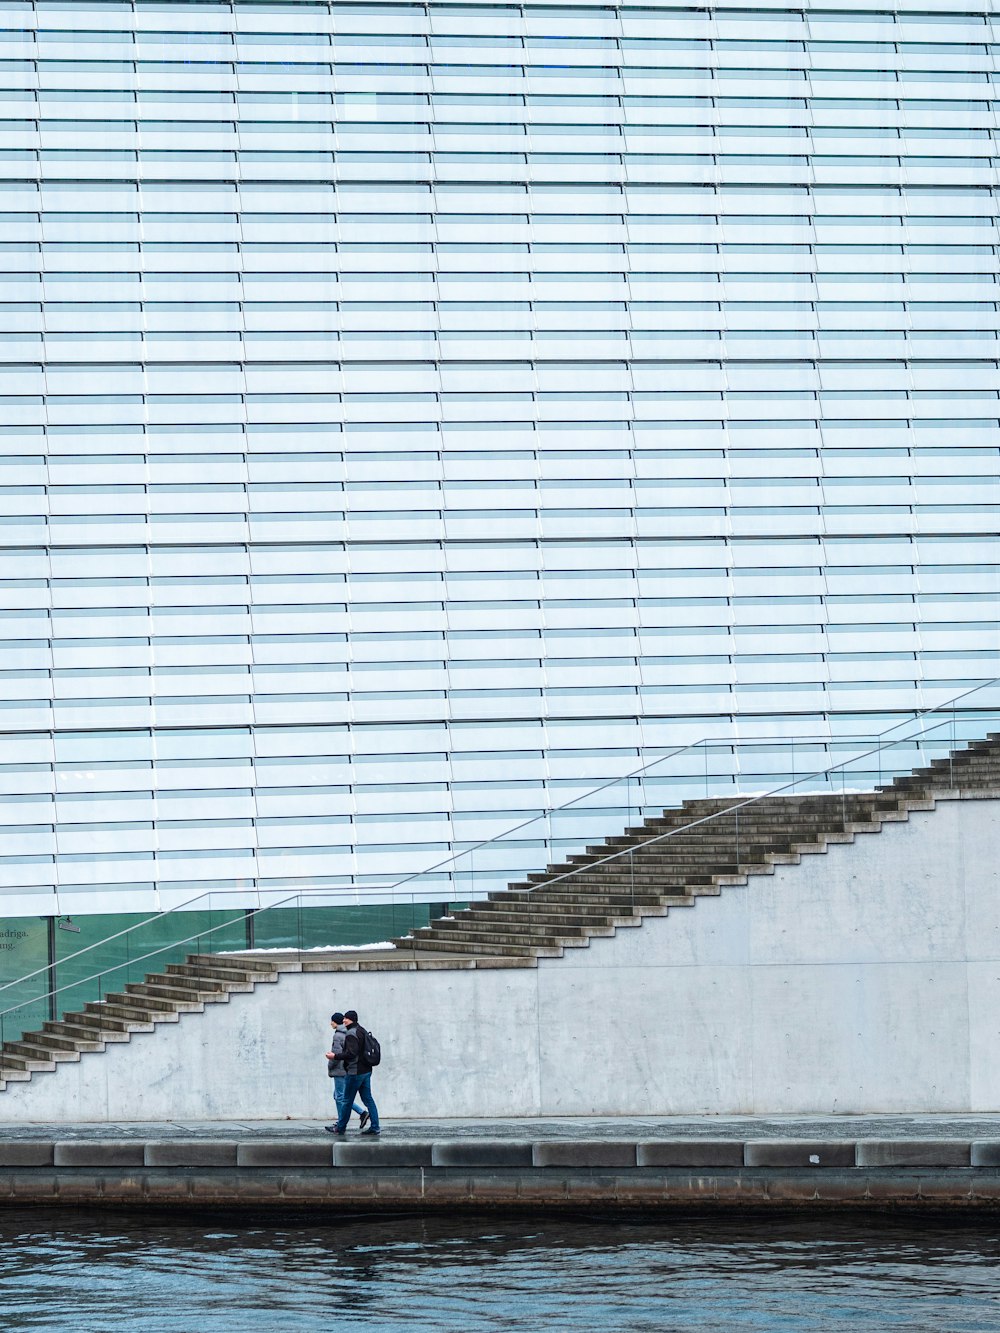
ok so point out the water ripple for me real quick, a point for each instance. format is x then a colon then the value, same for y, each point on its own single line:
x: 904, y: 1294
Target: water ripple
x: 84, y: 1272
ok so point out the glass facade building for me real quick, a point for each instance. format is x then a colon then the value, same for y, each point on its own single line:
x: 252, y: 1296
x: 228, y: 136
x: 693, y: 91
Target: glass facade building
x: 412, y: 415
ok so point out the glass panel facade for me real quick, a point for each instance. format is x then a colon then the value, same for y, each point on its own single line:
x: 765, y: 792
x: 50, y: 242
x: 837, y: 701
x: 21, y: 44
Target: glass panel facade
x: 412, y: 415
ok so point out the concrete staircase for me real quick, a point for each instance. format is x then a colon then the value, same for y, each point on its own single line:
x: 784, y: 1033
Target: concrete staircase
x: 673, y: 860
x: 162, y: 997
x: 667, y: 862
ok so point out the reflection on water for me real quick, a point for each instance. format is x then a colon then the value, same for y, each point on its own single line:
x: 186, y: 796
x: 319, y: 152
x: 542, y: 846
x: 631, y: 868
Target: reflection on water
x: 84, y: 1272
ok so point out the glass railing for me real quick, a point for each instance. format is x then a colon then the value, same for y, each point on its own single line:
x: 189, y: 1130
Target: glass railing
x: 330, y: 916
x: 716, y: 769
x: 846, y: 784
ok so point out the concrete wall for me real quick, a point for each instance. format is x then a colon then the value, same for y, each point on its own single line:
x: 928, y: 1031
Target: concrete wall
x: 864, y: 979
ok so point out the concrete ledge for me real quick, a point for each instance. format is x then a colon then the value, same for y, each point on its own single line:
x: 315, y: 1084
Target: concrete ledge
x: 690, y: 1152
x: 481, y: 1152
x: 100, y: 1152
x: 519, y: 1174
x: 794, y: 1152
x: 583, y: 1153
x: 902, y: 1152
x: 26, y: 1153
x: 285, y: 1152
x: 190, y: 1152
x: 382, y: 1155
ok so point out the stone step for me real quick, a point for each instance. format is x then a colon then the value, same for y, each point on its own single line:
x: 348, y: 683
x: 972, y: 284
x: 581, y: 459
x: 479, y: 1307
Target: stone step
x: 35, y: 1051
x: 109, y: 1006
x: 553, y: 912
x: 624, y: 860
x: 526, y: 920
x: 89, y: 1038
x: 55, y: 1041
x: 716, y: 835
x: 809, y: 803
x: 690, y: 862
x: 219, y: 972
x: 556, y: 940
x: 572, y: 891
x: 719, y: 833
x: 132, y: 1006
x: 685, y: 854
x: 13, y: 1064
x: 529, y: 929
x: 10, y: 1059
x: 533, y: 930
x: 184, y: 985
x: 628, y: 868
x: 961, y: 776
x: 749, y: 817
x: 581, y: 914
x: 172, y: 997
x: 627, y: 892
x: 527, y: 937
x: 73, y: 1026
x: 69, y: 1024
x: 970, y: 758
x: 984, y: 772
x: 642, y: 879
x: 446, y: 946
x: 76, y: 1016
x: 585, y: 881
x: 707, y: 843
x: 242, y: 961
x: 135, y: 1020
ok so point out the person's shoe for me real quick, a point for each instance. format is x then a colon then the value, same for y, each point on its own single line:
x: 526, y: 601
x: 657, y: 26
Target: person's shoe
x: 332, y: 1129
x: 372, y: 1133
x: 365, y: 1117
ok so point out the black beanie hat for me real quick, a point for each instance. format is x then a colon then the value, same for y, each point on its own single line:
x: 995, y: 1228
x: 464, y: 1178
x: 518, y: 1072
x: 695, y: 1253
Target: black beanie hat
x: 336, y: 1018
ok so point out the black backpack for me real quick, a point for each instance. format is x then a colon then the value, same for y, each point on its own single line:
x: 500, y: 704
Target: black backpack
x: 369, y: 1049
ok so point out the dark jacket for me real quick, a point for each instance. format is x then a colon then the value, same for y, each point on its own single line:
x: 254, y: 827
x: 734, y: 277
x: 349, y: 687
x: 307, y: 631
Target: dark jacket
x: 335, y: 1068
x: 354, y: 1051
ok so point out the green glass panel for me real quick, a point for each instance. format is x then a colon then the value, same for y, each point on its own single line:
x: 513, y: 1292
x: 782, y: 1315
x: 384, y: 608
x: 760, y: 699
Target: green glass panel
x: 23, y: 950
x: 112, y: 951
x: 100, y: 955
x: 321, y: 927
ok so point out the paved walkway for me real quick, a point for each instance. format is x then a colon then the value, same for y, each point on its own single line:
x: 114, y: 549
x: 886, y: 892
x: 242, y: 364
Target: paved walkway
x: 638, y: 1128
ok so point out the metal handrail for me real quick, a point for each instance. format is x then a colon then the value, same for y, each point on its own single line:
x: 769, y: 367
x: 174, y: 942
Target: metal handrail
x: 390, y: 888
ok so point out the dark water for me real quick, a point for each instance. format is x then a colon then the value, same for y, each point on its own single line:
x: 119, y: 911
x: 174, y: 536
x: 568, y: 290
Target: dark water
x: 96, y: 1273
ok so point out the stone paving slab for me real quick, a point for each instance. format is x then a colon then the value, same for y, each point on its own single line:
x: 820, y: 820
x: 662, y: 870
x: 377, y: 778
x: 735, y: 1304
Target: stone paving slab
x: 813, y: 1129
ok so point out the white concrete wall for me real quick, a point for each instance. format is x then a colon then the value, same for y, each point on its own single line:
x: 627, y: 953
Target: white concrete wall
x: 865, y: 979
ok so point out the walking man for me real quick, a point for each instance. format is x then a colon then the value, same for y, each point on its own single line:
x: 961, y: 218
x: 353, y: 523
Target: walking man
x: 359, y: 1078
x: 337, y: 1071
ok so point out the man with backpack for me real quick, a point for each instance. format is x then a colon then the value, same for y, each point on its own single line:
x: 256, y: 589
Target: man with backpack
x: 336, y: 1070
x: 361, y: 1054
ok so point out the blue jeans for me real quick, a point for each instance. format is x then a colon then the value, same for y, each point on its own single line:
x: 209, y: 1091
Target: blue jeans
x: 358, y: 1085
x: 339, y: 1084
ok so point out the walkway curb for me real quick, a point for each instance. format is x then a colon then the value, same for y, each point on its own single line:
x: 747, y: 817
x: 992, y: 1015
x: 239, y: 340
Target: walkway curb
x: 484, y: 1174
